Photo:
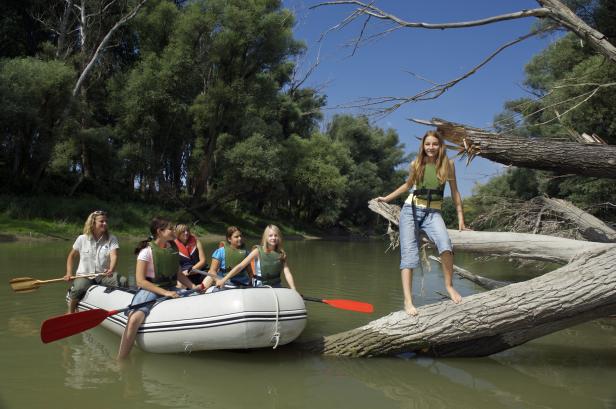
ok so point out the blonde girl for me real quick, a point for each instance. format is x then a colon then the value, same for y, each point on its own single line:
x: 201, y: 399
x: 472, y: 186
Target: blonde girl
x: 270, y: 261
x: 98, y: 254
x: 192, y: 255
x: 428, y: 174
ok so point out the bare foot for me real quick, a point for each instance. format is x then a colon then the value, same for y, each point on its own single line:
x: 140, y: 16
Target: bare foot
x: 410, y: 308
x: 454, y: 295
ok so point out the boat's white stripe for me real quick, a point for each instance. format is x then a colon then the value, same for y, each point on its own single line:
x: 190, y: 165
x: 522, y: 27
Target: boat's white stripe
x: 217, y: 321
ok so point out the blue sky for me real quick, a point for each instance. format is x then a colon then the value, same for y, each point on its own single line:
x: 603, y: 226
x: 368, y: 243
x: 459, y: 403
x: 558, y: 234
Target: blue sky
x: 381, y: 68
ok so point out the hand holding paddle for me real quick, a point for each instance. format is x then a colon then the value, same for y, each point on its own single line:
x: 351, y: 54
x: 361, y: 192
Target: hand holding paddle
x: 63, y: 326
x: 27, y: 284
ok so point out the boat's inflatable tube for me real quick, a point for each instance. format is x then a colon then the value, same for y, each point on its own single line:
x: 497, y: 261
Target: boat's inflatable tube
x: 230, y: 319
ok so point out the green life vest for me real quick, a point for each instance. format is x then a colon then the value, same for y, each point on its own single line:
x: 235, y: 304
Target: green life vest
x: 233, y: 257
x: 271, y: 266
x: 429, y: 188
x: 166, y: 264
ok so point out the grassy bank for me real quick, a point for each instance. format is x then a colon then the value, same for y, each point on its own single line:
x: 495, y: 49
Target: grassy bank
x: 49, y: 217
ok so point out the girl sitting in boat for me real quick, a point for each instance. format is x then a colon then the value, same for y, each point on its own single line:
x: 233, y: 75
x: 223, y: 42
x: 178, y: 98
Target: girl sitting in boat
x: 270, y: 262
x: 428, y: 174
x: 158, y: 269
x: 192, y: 255
x: 98, y: 254
x: 228, y: 255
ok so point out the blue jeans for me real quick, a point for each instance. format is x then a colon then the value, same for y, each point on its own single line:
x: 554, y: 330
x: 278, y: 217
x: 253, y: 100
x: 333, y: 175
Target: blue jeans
x: 434, y: 227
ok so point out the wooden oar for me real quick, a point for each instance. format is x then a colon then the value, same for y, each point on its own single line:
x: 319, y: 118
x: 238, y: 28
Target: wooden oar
x: 63, y: 326
x: 350, y: 305
x: 27, y: 284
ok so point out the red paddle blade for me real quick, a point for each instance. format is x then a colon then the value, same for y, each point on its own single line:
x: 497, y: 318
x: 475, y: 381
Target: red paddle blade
x: 64, y: 326
x: 351, y: 305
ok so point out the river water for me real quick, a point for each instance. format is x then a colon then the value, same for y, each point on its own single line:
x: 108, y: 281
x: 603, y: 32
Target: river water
x: 574, y: 368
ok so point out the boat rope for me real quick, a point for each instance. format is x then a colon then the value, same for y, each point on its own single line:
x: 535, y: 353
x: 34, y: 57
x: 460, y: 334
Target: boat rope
x: 276, y: 335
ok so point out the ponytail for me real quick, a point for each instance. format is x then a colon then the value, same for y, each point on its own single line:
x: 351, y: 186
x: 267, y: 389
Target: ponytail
x: 157, y: 223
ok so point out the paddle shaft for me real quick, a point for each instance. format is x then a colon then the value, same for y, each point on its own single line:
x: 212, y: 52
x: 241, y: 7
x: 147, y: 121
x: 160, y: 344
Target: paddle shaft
x: 349, y: 305
x: 57, y: 280
x: 143, y: 304
x: 66, y: 325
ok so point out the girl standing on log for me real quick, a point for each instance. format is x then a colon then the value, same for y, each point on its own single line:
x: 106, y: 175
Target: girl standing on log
x: 428, y: 174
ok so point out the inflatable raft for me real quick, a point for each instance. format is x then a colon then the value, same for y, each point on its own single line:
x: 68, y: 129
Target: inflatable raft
x: 231, y: 319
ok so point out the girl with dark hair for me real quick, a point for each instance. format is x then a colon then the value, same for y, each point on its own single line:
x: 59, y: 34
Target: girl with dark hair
x: 158, y: 269
x: 229, y: 254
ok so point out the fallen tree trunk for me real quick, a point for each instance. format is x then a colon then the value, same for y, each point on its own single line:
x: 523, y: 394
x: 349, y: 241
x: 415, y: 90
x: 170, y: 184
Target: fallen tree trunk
x: 591, y: 228
x: 496, y: 320
x: 490, y: 322
x: 595, y: 160
x: 518, y: 245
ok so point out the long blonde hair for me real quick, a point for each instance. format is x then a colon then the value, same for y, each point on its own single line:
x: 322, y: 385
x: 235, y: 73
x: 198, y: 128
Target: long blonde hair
x: 88, y: 226
x: 417, y: 167
x: 275, y: 229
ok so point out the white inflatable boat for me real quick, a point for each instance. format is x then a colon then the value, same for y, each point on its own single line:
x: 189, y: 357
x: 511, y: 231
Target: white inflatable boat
x: 230, y: 319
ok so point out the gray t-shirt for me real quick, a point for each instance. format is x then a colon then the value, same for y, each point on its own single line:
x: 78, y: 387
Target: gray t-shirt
x: 94, y: 254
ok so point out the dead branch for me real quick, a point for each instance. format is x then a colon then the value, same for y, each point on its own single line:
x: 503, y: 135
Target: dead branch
x: 373, y: 11
x: 382, y: 106
x: 483, y: 282
x: 126, y: 18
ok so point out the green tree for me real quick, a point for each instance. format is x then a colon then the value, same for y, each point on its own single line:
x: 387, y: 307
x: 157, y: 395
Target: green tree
x: 376, y: 155
x: 32, y: 96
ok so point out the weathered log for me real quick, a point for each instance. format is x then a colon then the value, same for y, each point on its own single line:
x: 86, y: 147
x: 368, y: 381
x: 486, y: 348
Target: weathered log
x: 533, y: 153
x: 490, y: 322
x: 518, y: 245
x: 591, y: 228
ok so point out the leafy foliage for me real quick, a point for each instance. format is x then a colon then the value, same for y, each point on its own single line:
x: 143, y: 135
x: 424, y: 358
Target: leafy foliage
x: 191, y: 105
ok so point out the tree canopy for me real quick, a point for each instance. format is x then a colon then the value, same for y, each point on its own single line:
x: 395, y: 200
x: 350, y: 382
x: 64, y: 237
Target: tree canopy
x: 189, y: 104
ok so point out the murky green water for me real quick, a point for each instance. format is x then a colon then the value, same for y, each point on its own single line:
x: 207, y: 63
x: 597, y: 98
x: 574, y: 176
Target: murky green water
x: 575, y: 368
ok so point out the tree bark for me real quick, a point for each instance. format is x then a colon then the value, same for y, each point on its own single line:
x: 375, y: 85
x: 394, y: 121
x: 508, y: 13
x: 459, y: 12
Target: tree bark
x: 595, y: 160
x: 519, y: 245
x: 591, y: 228
x: 490, y: 322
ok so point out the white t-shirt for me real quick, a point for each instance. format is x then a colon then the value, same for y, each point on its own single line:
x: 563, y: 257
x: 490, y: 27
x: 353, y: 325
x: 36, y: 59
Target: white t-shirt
x: 94, y: 254
x: 146, y: 255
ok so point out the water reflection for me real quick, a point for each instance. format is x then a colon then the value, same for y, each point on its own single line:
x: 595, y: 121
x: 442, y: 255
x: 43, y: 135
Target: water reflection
x: 445, y: 383
x: 570, y: 369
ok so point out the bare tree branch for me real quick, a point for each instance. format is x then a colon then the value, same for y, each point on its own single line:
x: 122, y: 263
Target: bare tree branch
x: 373, y: 11
x: 103, y: 43
x: 393, y: 103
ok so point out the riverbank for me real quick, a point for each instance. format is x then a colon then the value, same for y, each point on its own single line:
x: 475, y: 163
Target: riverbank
x: 53, y: 218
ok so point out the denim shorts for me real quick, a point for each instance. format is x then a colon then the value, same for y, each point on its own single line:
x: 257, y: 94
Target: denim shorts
x: 143, y: 296
x: 434, y: 227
